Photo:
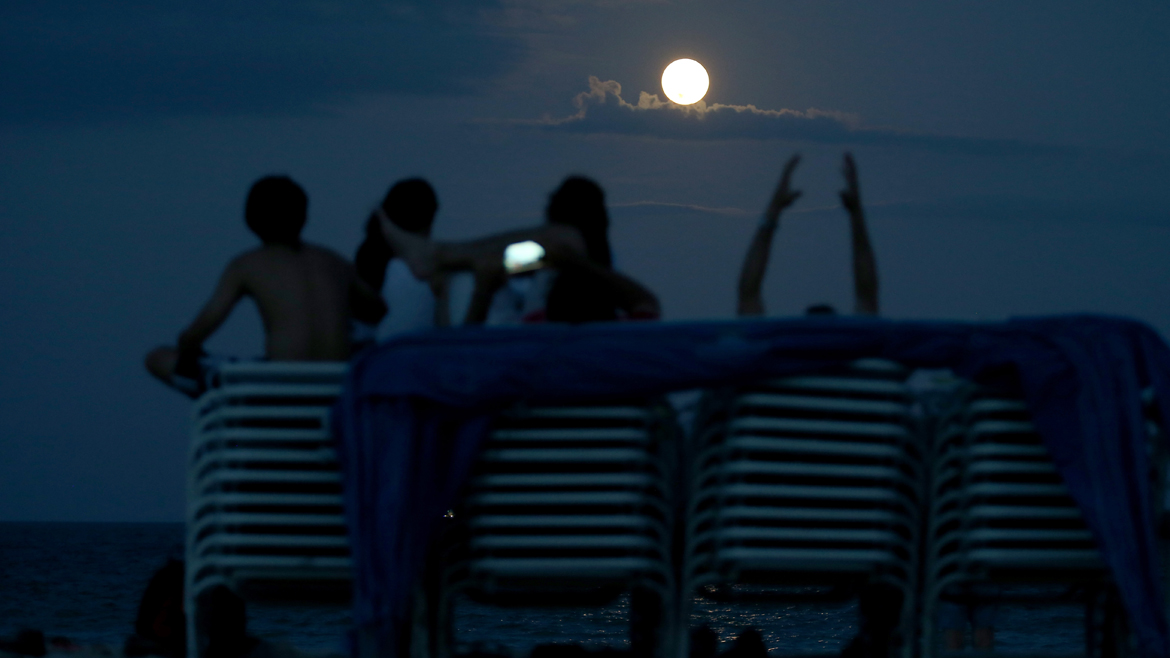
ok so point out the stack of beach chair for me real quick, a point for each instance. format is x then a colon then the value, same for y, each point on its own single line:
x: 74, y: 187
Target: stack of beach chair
x: 1001, y: 515
x: 568, y: 505
x: 811, y: 480
x: 264, y: 511
x: 809, y: 488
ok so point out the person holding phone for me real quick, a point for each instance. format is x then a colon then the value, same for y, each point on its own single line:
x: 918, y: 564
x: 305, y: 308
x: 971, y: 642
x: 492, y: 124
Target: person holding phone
x: 566, y: 275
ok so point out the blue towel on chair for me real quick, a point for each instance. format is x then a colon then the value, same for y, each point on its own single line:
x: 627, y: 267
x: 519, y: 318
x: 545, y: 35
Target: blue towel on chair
x: 415, y: 411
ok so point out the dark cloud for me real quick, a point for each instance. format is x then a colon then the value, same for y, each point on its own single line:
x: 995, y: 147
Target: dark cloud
x: 63, y: 60
x: 602, y: 110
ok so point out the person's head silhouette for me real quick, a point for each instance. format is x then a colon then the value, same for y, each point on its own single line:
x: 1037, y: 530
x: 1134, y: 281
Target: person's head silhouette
x: 820, y: 310
x: 411, y: 204
x: 579, y: 202
x: 276, y: 210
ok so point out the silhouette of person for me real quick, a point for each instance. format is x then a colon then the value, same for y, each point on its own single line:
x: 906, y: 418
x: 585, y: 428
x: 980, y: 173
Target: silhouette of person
x: 411, y: 204
x: 577, y: 282
x: 306, y: 294
x: 755, y: 264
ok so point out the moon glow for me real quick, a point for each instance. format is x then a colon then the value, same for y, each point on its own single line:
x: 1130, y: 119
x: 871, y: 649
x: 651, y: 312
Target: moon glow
x: 685, y: 81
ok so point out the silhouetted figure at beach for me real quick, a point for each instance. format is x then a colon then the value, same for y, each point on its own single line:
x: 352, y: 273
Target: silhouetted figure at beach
x: 160, y: 628
x: 222, y: 622
x: 306, y: 294
x: 865, y: 279
x: 411, y: 205
x: 974, y: 606
x: 28, y: 642
x: 704, y: 642
x: 879, y: 609
x: 879, y: 604
x: 573, y: 282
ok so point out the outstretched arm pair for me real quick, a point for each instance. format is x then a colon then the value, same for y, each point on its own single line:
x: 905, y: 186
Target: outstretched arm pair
x: 865, y: 284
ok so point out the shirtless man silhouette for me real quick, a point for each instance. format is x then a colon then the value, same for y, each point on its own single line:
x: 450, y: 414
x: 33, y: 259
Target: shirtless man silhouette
x: 306, y: 294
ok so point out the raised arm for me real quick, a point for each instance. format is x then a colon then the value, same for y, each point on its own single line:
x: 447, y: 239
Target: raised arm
x: 227, y: 292
x: 755, y: 263
x: 373, y: 255
x: 489, y: 276
x: 865, y: 278
x: 426, y: 258
x: 441, y: 290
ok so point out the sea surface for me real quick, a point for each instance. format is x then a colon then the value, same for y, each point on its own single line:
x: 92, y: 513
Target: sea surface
x: 84, y: 581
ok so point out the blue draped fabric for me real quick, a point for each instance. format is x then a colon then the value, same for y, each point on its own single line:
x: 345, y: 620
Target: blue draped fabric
x: 415, y: 411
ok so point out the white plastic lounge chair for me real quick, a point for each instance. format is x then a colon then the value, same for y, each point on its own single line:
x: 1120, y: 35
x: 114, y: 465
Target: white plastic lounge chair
x: 264, y: 513
x: 568, y: 505
x: 813, y: 480
x: 1000, y: 512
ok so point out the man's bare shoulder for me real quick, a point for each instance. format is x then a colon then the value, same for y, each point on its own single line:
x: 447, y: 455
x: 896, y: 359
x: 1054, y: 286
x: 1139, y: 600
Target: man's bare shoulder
x: 322, y: 251
x: 272, y: 258
x: 327, y: 254
x: 247, y: 261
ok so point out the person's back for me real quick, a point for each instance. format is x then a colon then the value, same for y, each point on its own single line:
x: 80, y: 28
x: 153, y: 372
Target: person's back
x: 306, y: 294
x: 303, y: 294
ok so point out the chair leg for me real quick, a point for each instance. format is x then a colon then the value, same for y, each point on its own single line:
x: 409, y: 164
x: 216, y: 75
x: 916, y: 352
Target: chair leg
x: 927, y: 642
x: 1093, y: 624
x: 221, y: 623
x: 443, y: 630
x: 1115, y: 633
x: 420, y: 635
x: 647, y: 612
x: 196, y: 642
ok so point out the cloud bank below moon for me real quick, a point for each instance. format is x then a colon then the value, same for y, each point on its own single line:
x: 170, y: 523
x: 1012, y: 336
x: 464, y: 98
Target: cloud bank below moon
x: 603, y: 110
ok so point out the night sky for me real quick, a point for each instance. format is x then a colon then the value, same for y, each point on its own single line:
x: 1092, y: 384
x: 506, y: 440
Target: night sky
x: 1014, y: 160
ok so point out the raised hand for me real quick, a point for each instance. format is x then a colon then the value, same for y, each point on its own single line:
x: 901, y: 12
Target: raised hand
x: 865, y: 278
x: 851, y: 195
x: 784, y: 196
x: 751, y: 275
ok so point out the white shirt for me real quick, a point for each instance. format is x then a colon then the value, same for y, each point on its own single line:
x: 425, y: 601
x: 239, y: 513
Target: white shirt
x: 411, y: 302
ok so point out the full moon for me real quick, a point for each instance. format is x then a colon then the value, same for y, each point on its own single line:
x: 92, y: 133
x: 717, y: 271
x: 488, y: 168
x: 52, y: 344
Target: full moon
x: 685, y: 81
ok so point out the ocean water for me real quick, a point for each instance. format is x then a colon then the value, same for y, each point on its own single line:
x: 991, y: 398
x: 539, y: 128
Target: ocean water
x: 84, y: 581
